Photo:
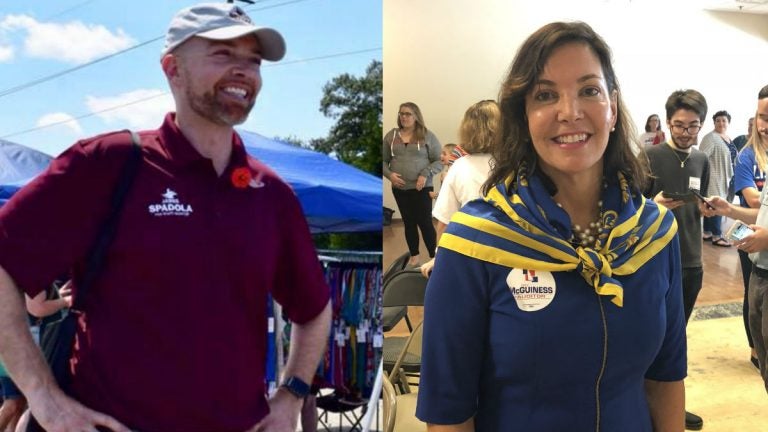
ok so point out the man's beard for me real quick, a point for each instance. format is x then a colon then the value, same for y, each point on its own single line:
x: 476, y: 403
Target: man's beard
x: 691, y: 142
x: 210, y: 108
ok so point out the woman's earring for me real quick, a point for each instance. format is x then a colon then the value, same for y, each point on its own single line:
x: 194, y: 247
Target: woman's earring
x: 613, y: 129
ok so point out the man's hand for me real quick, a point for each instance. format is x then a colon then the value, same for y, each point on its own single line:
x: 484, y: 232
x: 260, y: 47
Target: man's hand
x: 10, y: 413
x: 667, y: 202
x: 754, y: 242
x: 283, y: 415
x: 420, y: 182
x: 57, y: 412
x: 426, y: 268
x: 720, y: 207
x: 397, y: 180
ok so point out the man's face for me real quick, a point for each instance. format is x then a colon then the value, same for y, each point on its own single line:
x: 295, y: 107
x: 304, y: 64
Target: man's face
x: 684, y: 126
x: 220, y: 79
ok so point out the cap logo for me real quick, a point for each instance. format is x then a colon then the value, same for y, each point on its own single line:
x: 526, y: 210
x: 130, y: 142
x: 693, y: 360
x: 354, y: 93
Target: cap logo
x: 238, y: 14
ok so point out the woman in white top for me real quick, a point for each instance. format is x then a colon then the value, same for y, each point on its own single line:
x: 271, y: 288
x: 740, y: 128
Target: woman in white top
x: 464, y: 180
x: 653, y: 133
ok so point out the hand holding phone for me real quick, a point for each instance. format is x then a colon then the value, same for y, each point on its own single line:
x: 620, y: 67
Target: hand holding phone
x: 738, y: 231
x: 702, y: 199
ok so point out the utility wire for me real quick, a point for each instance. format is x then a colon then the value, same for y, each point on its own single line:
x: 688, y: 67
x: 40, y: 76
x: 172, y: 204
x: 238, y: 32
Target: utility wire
x: 41, y: 80
x: 91, y: 114
x: 69, y: 9
x: 116, y: 107
x: 33, y: 83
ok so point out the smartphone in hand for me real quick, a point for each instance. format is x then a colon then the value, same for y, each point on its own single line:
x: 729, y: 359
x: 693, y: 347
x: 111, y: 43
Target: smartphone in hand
x: 738, y: 231
x: 702, y: 199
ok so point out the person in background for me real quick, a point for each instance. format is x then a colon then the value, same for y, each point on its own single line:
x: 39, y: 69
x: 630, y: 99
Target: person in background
x: 748, y: 181
x: 741, y: 140
x: 173, y: 332
x: 547, y: 274
x: 42, y: 309
x: 411, y: 156
x: 446, y: 160
x: 653, y: 134
x: 676, y: 167
x: 465, y: 180
x: 721, y: 154
x: 755, y: 244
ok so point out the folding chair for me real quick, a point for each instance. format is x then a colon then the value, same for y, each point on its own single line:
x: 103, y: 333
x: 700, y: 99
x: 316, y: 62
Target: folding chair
x: 400, y: 410
x: 351, y: 410
x: 408, y: 362
x: 405, y: 288
x: 392, y: 315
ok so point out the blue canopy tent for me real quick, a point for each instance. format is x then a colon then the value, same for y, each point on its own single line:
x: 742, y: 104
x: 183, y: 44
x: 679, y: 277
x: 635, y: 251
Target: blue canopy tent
x: 18, y: 165
x: 335, y: 197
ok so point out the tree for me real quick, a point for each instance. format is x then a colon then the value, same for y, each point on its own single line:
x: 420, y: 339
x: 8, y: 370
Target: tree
x: 355, y: 103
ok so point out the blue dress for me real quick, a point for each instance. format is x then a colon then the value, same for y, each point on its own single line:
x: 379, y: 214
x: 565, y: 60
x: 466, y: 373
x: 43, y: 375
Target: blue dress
x: 533, y: 350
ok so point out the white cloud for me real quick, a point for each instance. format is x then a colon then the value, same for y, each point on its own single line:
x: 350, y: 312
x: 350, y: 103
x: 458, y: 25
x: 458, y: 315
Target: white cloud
x: 6, y: 53
x: 146, y: 114
x: 62, y: 119
x: 72, y: 42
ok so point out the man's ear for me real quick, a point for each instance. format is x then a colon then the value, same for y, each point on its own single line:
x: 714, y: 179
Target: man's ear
x: 170, y: 65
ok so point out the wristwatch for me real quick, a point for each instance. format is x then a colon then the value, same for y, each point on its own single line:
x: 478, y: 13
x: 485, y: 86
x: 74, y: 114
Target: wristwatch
x: 296, y: 386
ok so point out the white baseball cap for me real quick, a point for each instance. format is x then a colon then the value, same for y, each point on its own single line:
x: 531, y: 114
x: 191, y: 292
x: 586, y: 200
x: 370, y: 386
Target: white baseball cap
x: 221, y: 21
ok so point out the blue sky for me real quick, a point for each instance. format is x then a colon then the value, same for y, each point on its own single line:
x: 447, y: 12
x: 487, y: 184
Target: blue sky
x: 39, y: 39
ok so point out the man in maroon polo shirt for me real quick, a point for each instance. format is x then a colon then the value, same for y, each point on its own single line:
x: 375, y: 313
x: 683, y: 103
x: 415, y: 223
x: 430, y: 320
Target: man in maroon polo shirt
x: 173, y: 333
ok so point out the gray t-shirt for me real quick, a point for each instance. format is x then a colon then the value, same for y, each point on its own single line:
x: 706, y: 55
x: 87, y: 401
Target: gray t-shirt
x: 668, y: 175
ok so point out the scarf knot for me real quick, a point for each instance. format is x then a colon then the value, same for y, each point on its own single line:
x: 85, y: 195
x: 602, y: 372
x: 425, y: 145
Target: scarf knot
x: 518, y: 225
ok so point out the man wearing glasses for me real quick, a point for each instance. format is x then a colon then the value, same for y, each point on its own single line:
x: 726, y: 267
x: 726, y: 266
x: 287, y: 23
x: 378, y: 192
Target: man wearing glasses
x: 676, y: 169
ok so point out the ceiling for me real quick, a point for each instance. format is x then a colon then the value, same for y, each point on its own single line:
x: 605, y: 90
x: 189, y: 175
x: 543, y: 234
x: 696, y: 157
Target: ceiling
x: 743, y: 6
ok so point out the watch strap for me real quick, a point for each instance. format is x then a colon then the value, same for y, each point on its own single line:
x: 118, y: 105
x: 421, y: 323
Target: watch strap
x: 296, y: 386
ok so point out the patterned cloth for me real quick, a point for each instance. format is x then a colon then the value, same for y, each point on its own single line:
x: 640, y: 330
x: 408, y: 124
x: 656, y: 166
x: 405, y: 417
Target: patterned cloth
x: 720, y: 163
x: 533, y: 232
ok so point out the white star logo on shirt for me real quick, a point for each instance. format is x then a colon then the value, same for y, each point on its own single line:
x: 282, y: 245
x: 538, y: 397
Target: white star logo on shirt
x: 169, y: 194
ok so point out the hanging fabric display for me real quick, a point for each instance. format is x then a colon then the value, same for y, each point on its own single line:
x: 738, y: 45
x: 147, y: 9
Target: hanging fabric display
x: 354, y: 343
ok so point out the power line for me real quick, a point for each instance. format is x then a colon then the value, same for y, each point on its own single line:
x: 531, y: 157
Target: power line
x: 116, y: 107
x: 69, y: 9
x: 33, y: 83
x: 113, y: 108
x: 41, y: 80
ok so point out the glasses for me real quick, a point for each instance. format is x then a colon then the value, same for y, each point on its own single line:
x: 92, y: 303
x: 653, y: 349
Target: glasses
x: 405, y: 114
x: 692, y: 129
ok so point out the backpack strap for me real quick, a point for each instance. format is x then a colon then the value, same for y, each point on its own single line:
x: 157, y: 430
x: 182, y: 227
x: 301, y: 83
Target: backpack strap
x: 95, y: 260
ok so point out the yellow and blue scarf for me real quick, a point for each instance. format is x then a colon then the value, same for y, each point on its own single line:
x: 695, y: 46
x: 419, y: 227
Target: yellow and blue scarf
x: 518, y: 225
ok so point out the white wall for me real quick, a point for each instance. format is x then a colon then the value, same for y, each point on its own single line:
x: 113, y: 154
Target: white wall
x: 445, y: 55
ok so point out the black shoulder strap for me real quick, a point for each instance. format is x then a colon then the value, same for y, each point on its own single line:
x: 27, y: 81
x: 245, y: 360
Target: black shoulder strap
x: 95, y: 261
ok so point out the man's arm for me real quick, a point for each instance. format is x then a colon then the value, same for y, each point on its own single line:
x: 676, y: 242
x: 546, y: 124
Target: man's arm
x: 666, y: 402
x: 55, y: 411
x: 308, y: 344
x: 723, y: 208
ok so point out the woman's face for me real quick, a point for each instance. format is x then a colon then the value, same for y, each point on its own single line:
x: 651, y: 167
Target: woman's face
x: 654, y: 123
x: 721, y: 124
x: 761, y: 120
x: 407, y: 117
x: 571, y: 112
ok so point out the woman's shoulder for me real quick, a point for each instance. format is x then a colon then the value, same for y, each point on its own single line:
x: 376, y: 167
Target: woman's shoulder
x: 431, y: 137
x: 746, y: 155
